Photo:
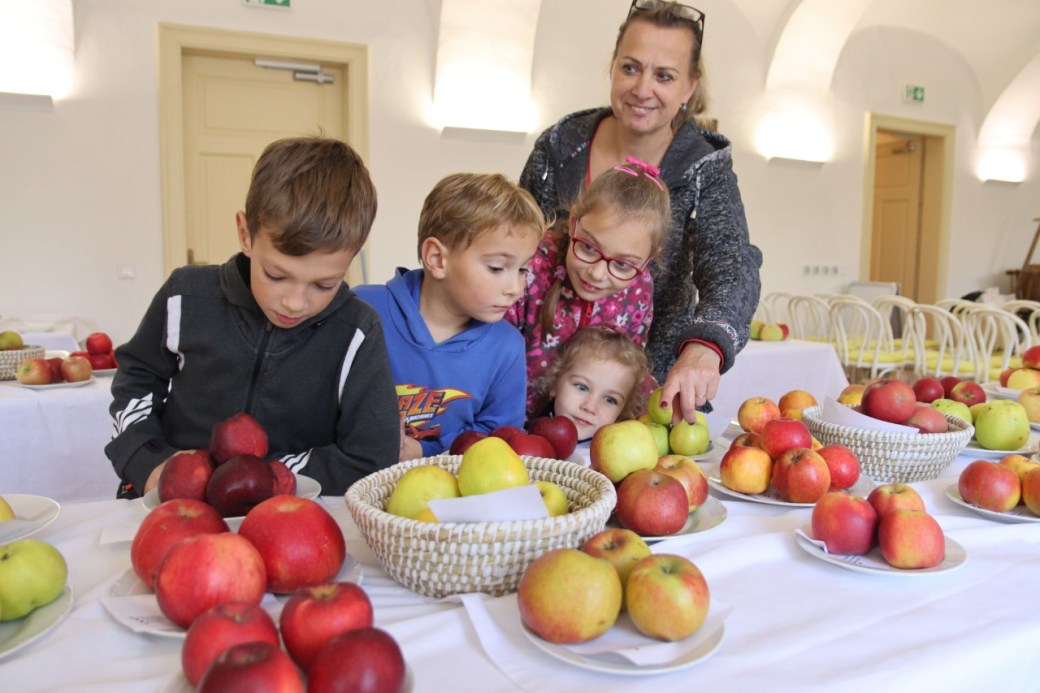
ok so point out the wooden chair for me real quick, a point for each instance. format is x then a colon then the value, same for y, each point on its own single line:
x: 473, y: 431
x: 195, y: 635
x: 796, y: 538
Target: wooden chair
x: 941, y: 344
x: 1000, y: 339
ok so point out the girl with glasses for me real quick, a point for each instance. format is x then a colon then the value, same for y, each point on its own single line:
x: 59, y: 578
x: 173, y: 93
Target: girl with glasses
x: 593, y: 269
x: 706, y: 276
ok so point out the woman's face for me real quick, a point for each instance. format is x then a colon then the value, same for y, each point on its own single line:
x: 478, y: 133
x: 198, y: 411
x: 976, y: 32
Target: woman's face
x: 650, y: 77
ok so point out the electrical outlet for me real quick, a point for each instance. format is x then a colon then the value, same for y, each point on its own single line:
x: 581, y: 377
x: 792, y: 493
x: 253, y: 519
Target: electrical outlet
x: 125, y: 272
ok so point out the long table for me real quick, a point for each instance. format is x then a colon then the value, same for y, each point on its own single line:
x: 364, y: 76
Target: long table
x: 797, y: 623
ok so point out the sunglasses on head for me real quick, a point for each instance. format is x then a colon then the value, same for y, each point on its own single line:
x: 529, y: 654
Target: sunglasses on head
x: 687, y: 12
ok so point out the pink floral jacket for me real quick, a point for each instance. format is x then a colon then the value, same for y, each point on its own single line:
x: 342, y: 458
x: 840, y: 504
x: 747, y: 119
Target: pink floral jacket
x: 630, y: 311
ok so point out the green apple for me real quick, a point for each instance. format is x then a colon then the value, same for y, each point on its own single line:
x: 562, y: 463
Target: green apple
x: 688, y: 439
x: 554, y: 497
x: 953, y: 408
x: 756, y: 328
x: 32, y: 574
x: 1001, y: 424
x: 620, y: 448
x: 419, y: 485
x: 771, y: 333
x: 653, y: 408
x: 660, y: 432
x: 6, y: 513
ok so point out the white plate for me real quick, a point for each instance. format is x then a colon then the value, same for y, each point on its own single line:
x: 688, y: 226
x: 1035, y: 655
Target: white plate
x: 31, y: 514
x: 862, y: 488
x: 615, y: 664
x: 709, y: 515
x: 875, y: 563
x: 146, y: 617
x: 179, y: 684
x: 975, y: 449
x: 56, y: 386
x: 716, y: 448
x: 1020, y: 513
x: 105, y: 372
x: 996, y: 391
x: 306, y: 487
x: 14, y: 635
x: 55, y: 354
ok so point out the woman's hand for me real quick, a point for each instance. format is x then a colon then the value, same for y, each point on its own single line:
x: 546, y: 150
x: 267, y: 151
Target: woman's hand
x: 692, y: 381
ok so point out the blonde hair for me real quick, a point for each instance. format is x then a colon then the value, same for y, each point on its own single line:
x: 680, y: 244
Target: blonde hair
x: 643, y: 197
x: 605, y: 344
x: 464, y: 206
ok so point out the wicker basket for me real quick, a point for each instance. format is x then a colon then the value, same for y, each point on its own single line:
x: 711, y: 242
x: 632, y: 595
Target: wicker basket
x: 895, y: 457
x: 9, y: 359
x: 439, y: 559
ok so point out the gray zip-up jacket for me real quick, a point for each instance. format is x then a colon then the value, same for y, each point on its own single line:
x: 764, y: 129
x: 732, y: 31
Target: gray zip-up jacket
x: 204, y: 351
x: 706, y: 280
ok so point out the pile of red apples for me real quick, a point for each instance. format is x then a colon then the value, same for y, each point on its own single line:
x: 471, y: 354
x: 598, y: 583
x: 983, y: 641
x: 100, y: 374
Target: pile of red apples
x: 780, y: 451
x: 76, y: 367
x: 551, y: 437
x: 1001, y: 486
x: 922, y: 405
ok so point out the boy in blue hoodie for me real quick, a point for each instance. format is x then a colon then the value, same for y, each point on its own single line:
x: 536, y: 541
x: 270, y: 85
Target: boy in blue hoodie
x: 456, y: 365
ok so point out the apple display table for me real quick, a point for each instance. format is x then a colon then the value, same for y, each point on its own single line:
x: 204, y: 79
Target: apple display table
x: 797, y: 623
x: 53, y: 441
x: 771, y: 369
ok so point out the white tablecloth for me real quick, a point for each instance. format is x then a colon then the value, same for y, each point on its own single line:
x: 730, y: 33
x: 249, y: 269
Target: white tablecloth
x: 52, y: 442
x: 797, y: 623
x: 771, y: 369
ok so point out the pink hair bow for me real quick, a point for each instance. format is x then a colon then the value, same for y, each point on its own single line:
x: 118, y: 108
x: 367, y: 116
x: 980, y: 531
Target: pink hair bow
x: 651, y: 171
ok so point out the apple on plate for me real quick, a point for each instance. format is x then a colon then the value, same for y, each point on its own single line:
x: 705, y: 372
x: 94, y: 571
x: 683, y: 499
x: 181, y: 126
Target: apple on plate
x: 284, y: 479
x: 772, y: 333
x: 928, y: 390
x: 239, y: 435
x: 256, y: 667
x: 558, y: 430
x: 756, y: 329
x: 55, y: 363
x: 847, y: 524
x: 1020, y: 464
x: 748, y: 440
x: 1004, y: 375
x: 780, y: 435
x: 6, y: 512
x: 755, y: 412
x: 620, y: 448
x: 746, y: 469
x: 843, y: 465
x: 667, y: 597
x: 990, y: 485
x: 660, y: 432
x: 464, y: 440
x: 185, y: 475
x: 568, y: 596
x: 911, y: 539
x: 928, y: 419
x: 1031, y: 357
x: 221, y: 628
x: 76, y: 369
x: 32, y: 574
x: 100, y: 362
x: 299, y: 541
x: 1022, y: 379
x: 968, y: 392
x: 418, y: 486
x: 688, y: 439
x: 164, y: 526
x: 239, y: 484
x: 889, y: 497
x: 363, y: 660
x: 949, y: 406
x: 1031, y: 491
x: 1030, y: 401
x: 34, y: 372
x: 796, y: 400
x: 800, y: 475
x: 651, y: 503
x: 1001, y: 424
x: 315, y: 615
x: 622, y: 547
x: 688, y: 473
x: 98, y: 343
x: 202, y: 571
x: 491, y: 465
x: 889, y: 400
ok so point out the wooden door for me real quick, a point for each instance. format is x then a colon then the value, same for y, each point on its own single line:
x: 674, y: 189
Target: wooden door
x: 232, y: 110
x: 896, y: 242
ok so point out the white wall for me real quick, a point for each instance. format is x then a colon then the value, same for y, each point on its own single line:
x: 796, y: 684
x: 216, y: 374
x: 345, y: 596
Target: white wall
x: 80, y: 188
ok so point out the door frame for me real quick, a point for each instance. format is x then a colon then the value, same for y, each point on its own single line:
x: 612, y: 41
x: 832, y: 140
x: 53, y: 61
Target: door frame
x: 937, y: 195
x: 177, y: 39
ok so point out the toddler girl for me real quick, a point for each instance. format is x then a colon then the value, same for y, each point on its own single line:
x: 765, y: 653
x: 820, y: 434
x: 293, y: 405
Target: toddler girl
x: 596, y: 272
x: 594, y: 380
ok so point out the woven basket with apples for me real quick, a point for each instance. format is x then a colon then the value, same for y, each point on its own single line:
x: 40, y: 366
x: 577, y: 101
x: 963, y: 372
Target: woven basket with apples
x: 10, y: 358
x: 439, y: 559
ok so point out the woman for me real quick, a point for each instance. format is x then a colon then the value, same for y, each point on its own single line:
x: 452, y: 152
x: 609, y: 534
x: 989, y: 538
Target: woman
x: 706, y: 275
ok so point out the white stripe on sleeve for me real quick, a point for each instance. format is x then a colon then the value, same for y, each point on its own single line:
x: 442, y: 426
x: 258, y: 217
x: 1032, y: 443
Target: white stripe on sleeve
x: 348, y: 361
x: 173, y: 328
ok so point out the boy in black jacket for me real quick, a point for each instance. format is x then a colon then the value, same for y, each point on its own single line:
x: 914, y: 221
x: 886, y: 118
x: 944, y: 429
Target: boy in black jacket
x: 274, y: 332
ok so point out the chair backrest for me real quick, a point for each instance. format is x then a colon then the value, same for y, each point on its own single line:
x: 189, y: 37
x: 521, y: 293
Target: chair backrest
x: 1029, y: 311
x: 956, y: 305
x: 952, y: 344
x: 860, y: 335
x: 778, y: 307
x: 810, y: 318
x: 995, y: 332
x: 895, y: 310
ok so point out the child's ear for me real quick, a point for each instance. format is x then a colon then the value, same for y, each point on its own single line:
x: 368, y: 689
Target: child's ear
x: 434, y: 256
x: 244, y: 241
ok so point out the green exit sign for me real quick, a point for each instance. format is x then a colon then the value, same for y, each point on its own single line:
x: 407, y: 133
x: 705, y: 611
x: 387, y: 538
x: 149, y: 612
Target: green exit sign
x: 284, y: 4
x: 912, y: 92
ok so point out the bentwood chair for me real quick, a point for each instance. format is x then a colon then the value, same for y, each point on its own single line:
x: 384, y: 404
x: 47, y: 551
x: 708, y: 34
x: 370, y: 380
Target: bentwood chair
x: 1000, y: 339
x: 941, y: 344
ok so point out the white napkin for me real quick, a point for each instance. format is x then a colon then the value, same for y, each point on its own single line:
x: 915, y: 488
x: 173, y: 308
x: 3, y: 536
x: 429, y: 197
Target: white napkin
x: 507, y: 505
x: 117, y: 535
x: 836, y: 413
x: 874, y: 559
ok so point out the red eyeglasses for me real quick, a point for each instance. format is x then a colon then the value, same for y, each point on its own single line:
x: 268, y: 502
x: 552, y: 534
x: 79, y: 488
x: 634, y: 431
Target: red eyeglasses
x: 619, y: 269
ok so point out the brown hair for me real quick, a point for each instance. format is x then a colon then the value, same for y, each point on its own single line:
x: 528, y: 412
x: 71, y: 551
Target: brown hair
x: 464, y: 206
x: 606, y: 344
x: 665, y: 18
x: 311, y: 194
x: 642, y: 196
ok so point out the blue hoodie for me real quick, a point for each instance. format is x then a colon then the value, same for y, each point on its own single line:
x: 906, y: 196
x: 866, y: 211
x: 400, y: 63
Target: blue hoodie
x: 475, y: 380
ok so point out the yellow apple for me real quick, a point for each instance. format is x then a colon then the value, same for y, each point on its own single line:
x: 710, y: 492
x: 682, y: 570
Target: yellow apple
x: 6, y: 513
x: 1020, y: 464
x: 756, y: 328
x: 426, y: 516
x: 1030, y: 399
x: 32, y: 574
x: 645, y: 418
x: 620, y: 448
x: 622, y: 547
x: 1024, y: 379
x: 796, y: 400
x: 554, y: 497
x: 419, y: 485
x: 953, y: 408
x: 1001, y: 424
x: 852, y: 394
x: 491, y: 465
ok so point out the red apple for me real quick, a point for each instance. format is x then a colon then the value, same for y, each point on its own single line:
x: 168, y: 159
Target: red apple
x: 688, y: 473
x: 1031, y: 358
x: 746, y: 469
x: 747, y: 440
x: 34, y: 372
x: 560, y: 431
x: 651, y: 503
x: 284, y: 479
x: 299, y: 541
x: 505, y: 432
x: 239, y: 484
x: 221, y: 628
x: 622, y: 547
x: 100, y: 362
x: 800, y: 475
x: 843, y: 465
x: 315, y: 615
x: 928, y: 390
x: 55, y: 364
x: 1004, y: 375
x: 1031, y: 490
x: 252, y: 667
x: 847, y: 524
x: 239, y: 435
x: 205, y: 570
x: 948, y: 384
x: 98, y: 343
x: 911, y: 539
x: 968, y: 393
x: 112, y: 355
x: 531, y: 446
x: 166, y: 525
x: 990, y: 485
x: 667, y: 597
x: 889, y: 400
x: 464, y: 440
x: 755, y: 412
x: 889, y: 497
x: 367, y: 660
x: 76, y: 368
x: 780, y: 435
x: 928, y: 419
x: 185, y: 476
x: 84, y: 354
